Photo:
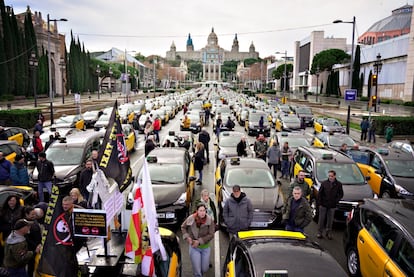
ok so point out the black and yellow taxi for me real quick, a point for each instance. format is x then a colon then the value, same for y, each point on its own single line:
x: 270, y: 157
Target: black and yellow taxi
x: 172, y: 176
x: 295, y: 139
x: 10, y: 149
x: 268, y: 253
x: 252, y: 126
x: 287, y: 122
x: 126, y: 112
x: 327, y: 124
x: 131, y: 141
x: 17, y: 134
x: 256, y: 180
x: 379, y: 238
x: 317, y: 162
x: 70, y: 121
x: 333, y: 140
x: 390, y: 170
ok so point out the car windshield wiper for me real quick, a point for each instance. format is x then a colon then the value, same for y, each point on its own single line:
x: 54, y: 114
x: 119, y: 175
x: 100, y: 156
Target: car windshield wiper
x: 164, y: 182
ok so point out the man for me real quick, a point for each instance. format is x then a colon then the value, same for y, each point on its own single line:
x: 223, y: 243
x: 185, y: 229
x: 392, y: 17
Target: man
x: 185, y: 142
x: 38, y: 126
x: 237, y: 211
x: 297, y: 212
x: 37, y: 144
x: 273, y: 157
x: 229, y: 124
x: 94, y: 158
x: 3, y: 135
x: 16, y: 252
x: 389, y: 133
x: 242, y: 147
x: 34, y: 237
x: 46, y: 172
x: 68, y: 206
x: 18, y: 172
x: 204, y: 137
x: 85, y: 179
x: 329, y: 195
x: 156, y: 126
x: 364, y: 128
x: 149, y: 145
x: 344, y: 149
x: 186, y: 122
x: 207, y: 116
x: 371, y: 131
x: 286, y: 155
x: 5, y: 168
x: 219, y: 122
x: 300, y: 182
x: 260, y: 147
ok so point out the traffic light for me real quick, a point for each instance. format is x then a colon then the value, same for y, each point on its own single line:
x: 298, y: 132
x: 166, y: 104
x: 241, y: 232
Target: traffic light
x: 374, y: 101
x: 374, y: 80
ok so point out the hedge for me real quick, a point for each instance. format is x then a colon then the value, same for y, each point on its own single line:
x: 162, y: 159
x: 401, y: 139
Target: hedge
x: 19, y: 118
x: 402, y: 125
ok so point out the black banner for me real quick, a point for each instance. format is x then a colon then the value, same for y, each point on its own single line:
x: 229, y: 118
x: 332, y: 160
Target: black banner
x: 113, y: 155
x: 89, y: 223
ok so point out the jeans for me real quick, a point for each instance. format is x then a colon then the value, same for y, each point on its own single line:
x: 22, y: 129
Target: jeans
x: 157, y: 135
x: 371, y: 135
x: 293, y: 228
x: 200, y: 260
x: 325, y: 215
x: 41, y: 186
x: 285, y: 168
x: 200, y: 175
x: 274, y: 168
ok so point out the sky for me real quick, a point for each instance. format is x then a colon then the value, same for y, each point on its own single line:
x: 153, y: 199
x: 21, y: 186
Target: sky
x: 149, y: 27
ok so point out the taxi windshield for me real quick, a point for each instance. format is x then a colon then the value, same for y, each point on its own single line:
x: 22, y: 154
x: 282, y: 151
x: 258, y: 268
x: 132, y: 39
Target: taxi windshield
x: 250, y: 177
x: 291, y: 119
x: 165, y: 173
x: 295, y: 142
x: 401, y: 168
x: 331, y: 122
x: 339, y: 140
x: 346, y: 173
x: 229, y: 141
x: 65, y: 155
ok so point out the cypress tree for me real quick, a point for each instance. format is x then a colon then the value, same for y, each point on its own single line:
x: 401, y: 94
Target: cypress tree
x: 10, y: 50
x: 21, y: 76
x: 355, y: 71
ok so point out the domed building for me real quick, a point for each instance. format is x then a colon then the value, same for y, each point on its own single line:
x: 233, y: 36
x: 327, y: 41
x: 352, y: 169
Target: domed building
x: 212, y: 55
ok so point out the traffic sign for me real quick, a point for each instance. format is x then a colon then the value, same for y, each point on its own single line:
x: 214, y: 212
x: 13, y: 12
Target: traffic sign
x: 350, y: 94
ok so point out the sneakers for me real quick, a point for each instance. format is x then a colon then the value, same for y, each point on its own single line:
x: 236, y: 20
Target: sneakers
x: 319, y: 236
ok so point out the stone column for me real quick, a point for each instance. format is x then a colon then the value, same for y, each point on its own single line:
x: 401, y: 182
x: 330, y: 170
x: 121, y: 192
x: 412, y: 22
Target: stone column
x: 204, y: 71
x: 219, y: 70
x: 209, y: 72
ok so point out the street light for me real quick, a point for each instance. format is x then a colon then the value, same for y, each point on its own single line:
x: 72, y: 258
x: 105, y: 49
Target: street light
x: 62, y: 69
x: 98, y: 72
x: 33, y: 63
x: 49, y: 60
x: 284, y: 76
x: 306, y: 81
x: 110, y: 80
x: 377, y: 70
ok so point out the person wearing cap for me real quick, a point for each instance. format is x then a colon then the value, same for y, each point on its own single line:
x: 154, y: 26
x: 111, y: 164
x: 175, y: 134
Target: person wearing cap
x: 237, y: 211
x: 198, y: 230
x: 18, y: 172
x: 46, y: 171
x: 16, y: 252
x: 5, y: 167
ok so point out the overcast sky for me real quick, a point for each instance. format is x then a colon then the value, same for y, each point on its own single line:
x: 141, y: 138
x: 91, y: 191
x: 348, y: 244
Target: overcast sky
x: 150, y: 27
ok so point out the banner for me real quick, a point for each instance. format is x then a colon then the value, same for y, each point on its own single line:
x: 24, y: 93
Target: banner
x: 89, y: 223
x: 113, y: 155
x: 58, y: 257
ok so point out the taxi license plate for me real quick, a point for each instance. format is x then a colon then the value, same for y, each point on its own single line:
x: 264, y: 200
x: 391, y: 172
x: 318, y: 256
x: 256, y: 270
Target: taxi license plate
x: 166, y: 215
x: 160, y: 215
x: 258, y: 224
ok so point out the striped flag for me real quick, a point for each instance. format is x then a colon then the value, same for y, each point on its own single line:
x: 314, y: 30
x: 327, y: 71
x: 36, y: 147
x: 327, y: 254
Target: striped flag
x: 133, y: 243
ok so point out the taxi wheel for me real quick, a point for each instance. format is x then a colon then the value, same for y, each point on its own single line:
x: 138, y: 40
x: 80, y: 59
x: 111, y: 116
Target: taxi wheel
x: 386, y: 194
x: 352, y: 262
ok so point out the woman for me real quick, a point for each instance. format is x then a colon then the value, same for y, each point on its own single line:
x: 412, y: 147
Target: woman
x: 206, y: 200
x: 198, y: 230
x: 78, y: 198
x: 199, y: 161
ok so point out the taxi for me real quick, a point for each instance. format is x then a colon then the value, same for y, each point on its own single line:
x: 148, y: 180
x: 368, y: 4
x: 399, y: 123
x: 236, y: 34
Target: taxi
x: 70, y: 121
x: 268, y: 253
x: 287, y: 122
x: 252, y: 124
x: 326, y: 124
x: 333, y: 140
x: 379, y: 238
x: 131, y: 141
x: 390, y: 170
x: 19, y: 135
x: 257, y: 181
x: 295, y: 139
x: 226, y: 145
x: 10, y: 149
x: 126, y: 113
x: 316, y: 162
x: 172, y: 176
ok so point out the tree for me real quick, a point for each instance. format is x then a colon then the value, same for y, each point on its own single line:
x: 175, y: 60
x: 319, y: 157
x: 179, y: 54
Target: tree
x: 248, y: 62
x: 327, y: 58
x: 369, y: 84
x: 356, y: 69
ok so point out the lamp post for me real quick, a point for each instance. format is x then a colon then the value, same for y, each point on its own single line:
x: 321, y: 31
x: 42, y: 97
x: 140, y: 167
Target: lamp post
x: 377, y: 70
x: 49, y: 60
x: 284, y: 76
x: 306, y: 81
x: 33, y: 63
x: 348, y: 118
x: 62, y: 69
x: 98, y: 72
x: 110, y: 80
x: 317, y: 83
x: 155, y: 74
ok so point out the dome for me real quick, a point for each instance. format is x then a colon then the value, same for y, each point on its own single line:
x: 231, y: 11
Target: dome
x: 212, y: 38
x: 399, y: 19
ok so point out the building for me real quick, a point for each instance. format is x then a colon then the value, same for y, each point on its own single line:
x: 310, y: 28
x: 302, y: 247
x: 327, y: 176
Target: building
x: 212, y: 55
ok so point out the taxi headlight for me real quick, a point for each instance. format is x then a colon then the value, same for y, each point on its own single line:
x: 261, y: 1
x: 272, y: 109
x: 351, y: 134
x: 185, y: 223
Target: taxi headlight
x: 181, y: 200
x: 402, y: 190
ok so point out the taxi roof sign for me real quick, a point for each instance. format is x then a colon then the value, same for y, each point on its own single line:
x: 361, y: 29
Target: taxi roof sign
x: 327, y: 156
x: 235, y: 161
x: 270, y: 234
x: 152, y: 159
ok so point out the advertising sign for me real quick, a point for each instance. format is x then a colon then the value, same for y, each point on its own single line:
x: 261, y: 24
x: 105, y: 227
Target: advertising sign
x: 89, y: 223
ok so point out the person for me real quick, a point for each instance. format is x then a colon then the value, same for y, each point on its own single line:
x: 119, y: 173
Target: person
x: 167, y: 143
x: 229, y: 124
x: 37, y: 144
x: 300, y: 182
x: 210, y: 206
x: 16, y: 252
x: 185, y: 142
x: 185, y: 109
x: 147, y: 127
x: 237, y: 211
x: 186, y: 122
x: 85, y: 178
x: 297, y: 213
x: 5, y: 168
x: 204, y: 137
x: 286, y: 155
x: 389, y: 133
x: 41, y: 117
x: 3, y: 135
x: 261, y: 123
x: 199, y: 161
x: 330, y: 192
x: 260, y: 147
x: 34, y: 237
x: 364, y: 128
x: 242, y: 147
x: 94, y: 158
x: 198, y: 230
x: 50, y: 141
x: 38, y: 126
x: 273, y: 157
x: 371, y: 131
x: 207, y: 116
x: 219, y: 122
x: 19, y: 175
x: 344, y: 149
x: 77, y: 198
x: 46, y: 172
x: 156, y: 126
x: 149, y: 145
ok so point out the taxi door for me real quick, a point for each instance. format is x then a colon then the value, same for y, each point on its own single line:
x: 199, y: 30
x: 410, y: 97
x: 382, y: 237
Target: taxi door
x: 317, y: 126
x: 372, y: 257
x: 17, y: 137
x: 190, y: 186
x: 218, y: 184
x: 278, y: 126
x: 131, y: 117
x: 365, y: 161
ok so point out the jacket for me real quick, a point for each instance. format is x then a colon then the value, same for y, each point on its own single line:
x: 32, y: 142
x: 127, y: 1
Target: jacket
x: 204, y: 234
x: 16, y: 254
x: 204, y: 137
x: 46, y: 170
x: 303, y: 213
x: 306, y: 190
x: 211, y: 208
x: 19, y: 175
x: 330, y: 194
x: 37, y: 144
x: 260, y: 148
x: 199, y: 160
x: 241, y: 149
x: 273, y: 155
x: 238, y: 213
x: 5, y: 167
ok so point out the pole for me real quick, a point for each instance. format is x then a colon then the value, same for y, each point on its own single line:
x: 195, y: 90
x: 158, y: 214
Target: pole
x: 317, y: 84
x: 376, y: 93
x: 348, y: 118
x: 285, y: 77
x: 154, y: 61
x: 49, y: 70
x: 34, y: 86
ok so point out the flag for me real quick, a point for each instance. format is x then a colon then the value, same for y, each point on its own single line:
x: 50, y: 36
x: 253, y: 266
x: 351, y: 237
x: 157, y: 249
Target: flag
x: 113, y: 155
x: 58, y: 257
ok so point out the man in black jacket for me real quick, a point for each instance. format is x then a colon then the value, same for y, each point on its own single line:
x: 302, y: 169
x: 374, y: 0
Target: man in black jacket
x: 46, y: 171
x: 85, y: 179
x: 204, y: 137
